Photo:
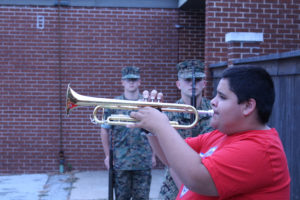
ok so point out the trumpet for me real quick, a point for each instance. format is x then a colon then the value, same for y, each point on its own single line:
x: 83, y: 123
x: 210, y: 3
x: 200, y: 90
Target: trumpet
x: 75, y: 100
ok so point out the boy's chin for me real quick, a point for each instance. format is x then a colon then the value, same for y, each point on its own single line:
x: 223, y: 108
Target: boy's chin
x: 213, y: 124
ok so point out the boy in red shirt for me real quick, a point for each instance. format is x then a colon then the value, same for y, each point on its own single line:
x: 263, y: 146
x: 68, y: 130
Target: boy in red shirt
x: 242, y: 159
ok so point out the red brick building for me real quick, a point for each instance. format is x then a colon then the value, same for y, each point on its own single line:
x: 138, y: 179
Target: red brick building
x: 44, y: 47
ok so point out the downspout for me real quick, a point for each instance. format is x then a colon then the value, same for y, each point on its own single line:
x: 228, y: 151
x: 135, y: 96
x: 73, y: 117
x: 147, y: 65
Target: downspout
x: 61, y: 151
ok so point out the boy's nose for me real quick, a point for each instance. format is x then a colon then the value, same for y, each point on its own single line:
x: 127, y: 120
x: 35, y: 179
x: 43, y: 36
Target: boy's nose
x: 213, y: 102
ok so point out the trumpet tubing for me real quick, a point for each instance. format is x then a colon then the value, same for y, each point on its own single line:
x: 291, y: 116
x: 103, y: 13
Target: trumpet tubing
x: 74, y: 100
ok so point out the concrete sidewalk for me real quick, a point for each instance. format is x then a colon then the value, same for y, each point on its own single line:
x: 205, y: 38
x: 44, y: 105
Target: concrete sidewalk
x: 90, y: 185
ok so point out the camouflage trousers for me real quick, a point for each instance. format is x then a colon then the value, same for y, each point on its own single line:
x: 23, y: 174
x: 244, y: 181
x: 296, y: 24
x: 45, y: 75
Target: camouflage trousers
x: 168, y: 190
x: 133, y: 184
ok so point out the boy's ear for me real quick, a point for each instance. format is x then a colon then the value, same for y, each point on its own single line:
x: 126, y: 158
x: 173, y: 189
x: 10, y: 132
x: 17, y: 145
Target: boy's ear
x: 249, y: 107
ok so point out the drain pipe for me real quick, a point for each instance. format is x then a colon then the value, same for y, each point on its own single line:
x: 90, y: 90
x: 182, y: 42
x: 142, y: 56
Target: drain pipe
x: 61, y: 154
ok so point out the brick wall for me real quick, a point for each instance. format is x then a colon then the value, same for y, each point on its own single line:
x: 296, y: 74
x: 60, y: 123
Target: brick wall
x: 278, y: 20
x: 86, y: 47
x: 191, y: 34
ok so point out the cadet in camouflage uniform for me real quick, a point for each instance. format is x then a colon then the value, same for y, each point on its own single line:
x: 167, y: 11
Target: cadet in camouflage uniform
x: 169, y: 190
x: 132, y: 154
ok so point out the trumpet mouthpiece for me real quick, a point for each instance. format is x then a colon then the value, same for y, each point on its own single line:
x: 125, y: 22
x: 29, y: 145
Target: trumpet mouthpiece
x: 206, y: 112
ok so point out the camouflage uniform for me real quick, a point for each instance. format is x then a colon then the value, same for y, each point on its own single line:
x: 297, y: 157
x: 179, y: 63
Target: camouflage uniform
x: 132, y: 156
x: 169, y: 190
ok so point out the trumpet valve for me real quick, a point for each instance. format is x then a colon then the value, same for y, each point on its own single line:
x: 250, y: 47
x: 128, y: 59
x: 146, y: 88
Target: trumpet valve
x: 153, y: 95
x: 145, y: 95
x: 159, y: 96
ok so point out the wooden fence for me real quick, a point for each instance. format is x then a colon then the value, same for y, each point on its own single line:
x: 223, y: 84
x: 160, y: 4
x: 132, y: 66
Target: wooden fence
x: 285, y: 71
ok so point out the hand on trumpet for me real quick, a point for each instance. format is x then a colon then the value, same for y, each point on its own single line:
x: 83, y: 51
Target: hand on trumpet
x: 150, y: 118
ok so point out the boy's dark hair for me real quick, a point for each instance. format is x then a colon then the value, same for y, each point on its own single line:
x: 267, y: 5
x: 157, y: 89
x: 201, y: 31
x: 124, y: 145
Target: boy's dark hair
x: 250, y: 81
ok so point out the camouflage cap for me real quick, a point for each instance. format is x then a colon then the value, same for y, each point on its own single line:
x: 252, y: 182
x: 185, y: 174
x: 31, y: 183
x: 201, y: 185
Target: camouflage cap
x: 130, y: 72
x: 185, y: 69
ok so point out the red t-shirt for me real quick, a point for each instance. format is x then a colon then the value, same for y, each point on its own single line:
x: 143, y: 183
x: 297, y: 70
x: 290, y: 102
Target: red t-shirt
x: 247, y: 165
